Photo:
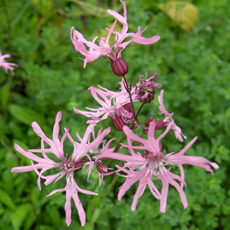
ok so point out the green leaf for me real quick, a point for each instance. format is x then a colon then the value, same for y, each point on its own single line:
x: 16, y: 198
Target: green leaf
x: 104, y: 211
x: 5, y: 199
x: 25, y: 115
x: 4, y: 94
x: 20, y: 214
x: 54, y: 215
x: 29, y: 221
x: 96, y: 214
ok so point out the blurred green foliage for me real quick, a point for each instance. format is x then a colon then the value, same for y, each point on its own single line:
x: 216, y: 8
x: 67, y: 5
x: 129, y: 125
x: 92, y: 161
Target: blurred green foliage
x: 194, y: 69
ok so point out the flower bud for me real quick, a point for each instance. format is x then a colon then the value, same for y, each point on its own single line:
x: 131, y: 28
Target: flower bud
x: 128, y: 107
x: 102, y: 168
x: 118, y: 123
x: 160, y: 124
x: 150, y: 119
x: 122, y: 118
x: 119, y: 66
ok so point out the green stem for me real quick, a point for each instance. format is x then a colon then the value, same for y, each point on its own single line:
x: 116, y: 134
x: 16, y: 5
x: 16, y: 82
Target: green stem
x: 7, y: 18
x: 130, y: 96
x: 9, y: 150
x: 143, y: 103
x: 20, y: 14
x: 115, y: 177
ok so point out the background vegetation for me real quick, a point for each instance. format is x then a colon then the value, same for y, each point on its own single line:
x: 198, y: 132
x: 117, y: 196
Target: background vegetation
x: 193, y: 63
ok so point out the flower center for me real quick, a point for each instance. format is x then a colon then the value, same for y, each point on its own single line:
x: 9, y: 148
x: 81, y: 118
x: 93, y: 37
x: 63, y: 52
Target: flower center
x: 69, y: 165
x: 154, y: 161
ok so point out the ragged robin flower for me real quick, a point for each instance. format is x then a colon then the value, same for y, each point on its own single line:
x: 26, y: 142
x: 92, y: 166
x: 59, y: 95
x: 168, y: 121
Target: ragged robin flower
x: 66, y: 165
x: 154, y: 164
x: 113, y: 52
x: 110, y: 102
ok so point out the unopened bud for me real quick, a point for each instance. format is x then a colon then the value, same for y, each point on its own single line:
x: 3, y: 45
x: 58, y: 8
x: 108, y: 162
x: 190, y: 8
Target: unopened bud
x: 160, y: 124
x: 128, y: 107
x: 119, y: 66
x: 118, y: 123
x: 150, y: 119
x: 122, y: 118
x: 102, y: 167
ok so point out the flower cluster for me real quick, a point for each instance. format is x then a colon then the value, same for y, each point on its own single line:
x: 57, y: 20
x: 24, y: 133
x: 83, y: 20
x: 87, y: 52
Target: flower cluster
x: 153, y: 165
x: 146, y: 160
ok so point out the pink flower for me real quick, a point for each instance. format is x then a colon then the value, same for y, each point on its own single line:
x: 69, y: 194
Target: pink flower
x: 110, y: 103
x: 66, y: 165
x: 168, y: 117
x: 6, y: 65
x: 104, y: 49
x: 154, y: 164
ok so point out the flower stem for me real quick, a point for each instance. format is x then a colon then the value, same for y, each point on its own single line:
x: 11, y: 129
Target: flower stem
x: 9, y: 150
x: 130, y: 96
x: 115, y: 177
x: 7, y: 18
x: 143, y: 103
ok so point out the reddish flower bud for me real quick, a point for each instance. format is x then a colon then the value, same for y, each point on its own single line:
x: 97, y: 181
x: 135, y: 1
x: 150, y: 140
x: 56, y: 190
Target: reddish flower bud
x: 102, y: 168
x: 122, y: 118
x: 160, y: 124
x: 128, y: 107
x: 118, y: 122
x: 150, y: 119
x: 119, y: 66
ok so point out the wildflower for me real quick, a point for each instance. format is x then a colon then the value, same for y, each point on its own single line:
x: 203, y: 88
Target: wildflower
x: 119, y: 65
x: 66, y: 165
x: 6, y: 65
x: 144, y: 89
x: 110, y: 105
x: 168, y: 117
x: 153, y: 164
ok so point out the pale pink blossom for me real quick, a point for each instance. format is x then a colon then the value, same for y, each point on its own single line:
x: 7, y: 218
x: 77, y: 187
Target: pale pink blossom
x: 168, y: 117
x: 154, y: 164
x: 110, y: 103
x: 104, y: 49
x: 6, y: 65
x: 67, y: 164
